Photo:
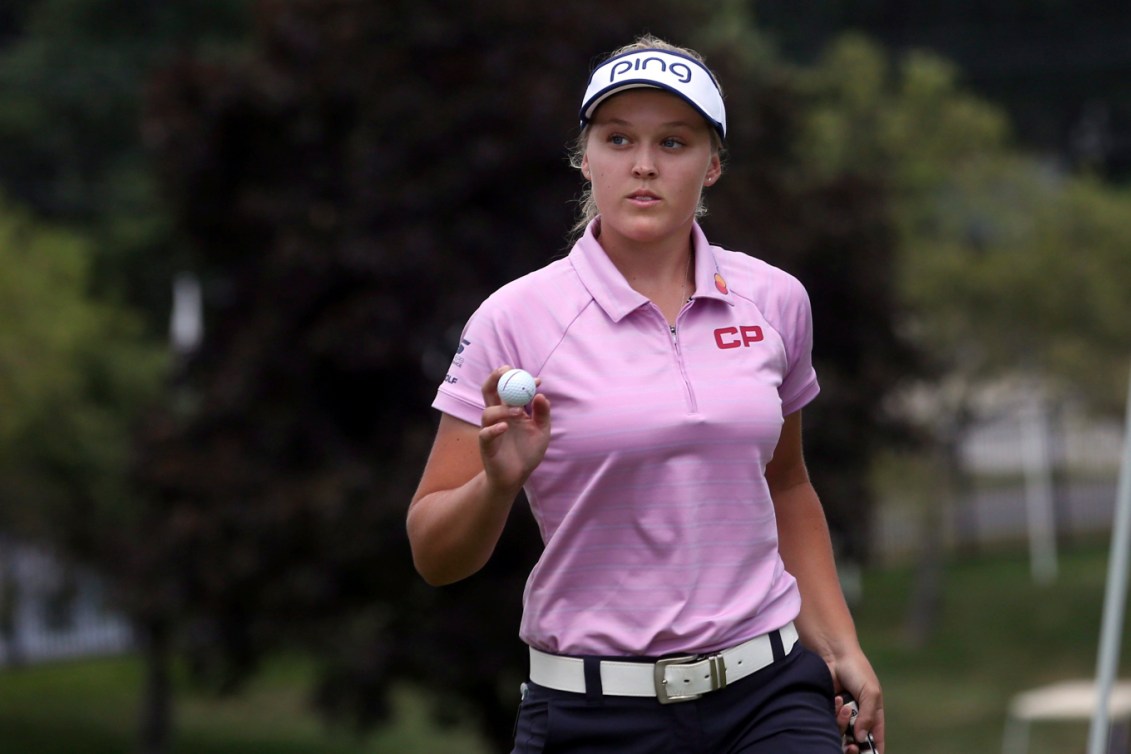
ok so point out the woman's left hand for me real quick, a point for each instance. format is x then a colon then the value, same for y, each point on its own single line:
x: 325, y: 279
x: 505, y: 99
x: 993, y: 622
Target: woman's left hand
x: 854, y: 674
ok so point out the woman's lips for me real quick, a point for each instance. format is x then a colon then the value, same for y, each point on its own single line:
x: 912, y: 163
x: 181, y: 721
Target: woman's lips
x: 643, y: 197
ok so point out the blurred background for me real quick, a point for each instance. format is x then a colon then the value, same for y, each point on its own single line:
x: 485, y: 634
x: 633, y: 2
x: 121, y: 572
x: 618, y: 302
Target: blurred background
x: 239, y: 238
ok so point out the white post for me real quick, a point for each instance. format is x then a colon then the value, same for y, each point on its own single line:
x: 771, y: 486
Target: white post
x: 1107, y: 663
x: 186, y: 323
x: 1039, y: 489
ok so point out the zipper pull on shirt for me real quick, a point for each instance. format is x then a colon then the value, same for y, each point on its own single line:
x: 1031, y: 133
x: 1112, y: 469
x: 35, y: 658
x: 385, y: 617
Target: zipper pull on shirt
x: 672, y: 327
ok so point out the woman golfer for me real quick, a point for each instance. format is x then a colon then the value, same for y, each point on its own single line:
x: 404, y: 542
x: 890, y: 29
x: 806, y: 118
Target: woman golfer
x: 687, y: 598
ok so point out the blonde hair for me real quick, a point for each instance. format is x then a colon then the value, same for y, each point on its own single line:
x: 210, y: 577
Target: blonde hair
x: 587, y: 205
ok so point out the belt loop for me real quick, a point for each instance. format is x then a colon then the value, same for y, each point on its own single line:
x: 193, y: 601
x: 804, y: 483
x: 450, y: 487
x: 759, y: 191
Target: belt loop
x: 777, y: 646
x: 594, y: 692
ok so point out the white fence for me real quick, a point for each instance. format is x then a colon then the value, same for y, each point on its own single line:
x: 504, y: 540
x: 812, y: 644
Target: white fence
x: 49, y: 612
x: 1081, y: 472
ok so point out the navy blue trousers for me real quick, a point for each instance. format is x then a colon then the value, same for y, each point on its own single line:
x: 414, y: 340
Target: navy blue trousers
x: 786, y: 708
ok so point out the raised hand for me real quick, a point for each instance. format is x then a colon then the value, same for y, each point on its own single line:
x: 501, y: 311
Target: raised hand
x: 513, y: 439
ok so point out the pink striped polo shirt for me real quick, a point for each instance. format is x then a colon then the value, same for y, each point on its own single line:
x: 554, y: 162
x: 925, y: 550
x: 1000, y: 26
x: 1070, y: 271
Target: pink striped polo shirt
x: 657, y: 522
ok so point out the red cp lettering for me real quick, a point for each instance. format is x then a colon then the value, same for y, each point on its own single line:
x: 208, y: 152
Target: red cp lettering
x: 735, y: 337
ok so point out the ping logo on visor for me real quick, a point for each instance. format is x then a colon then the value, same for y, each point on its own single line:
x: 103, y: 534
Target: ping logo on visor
x: 683, y: 76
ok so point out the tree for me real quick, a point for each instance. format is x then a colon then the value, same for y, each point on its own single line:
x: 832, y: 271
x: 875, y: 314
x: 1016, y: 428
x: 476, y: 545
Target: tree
x: 1007, y: 262
x: 1008, y: 265
x: 73, y: 372
x: 72, y: 76
x: 1057, y: 69
x: 71, y: 369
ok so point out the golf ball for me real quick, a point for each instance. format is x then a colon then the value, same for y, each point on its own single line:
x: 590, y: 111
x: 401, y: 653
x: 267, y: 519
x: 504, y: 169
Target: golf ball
x: 516, y: 387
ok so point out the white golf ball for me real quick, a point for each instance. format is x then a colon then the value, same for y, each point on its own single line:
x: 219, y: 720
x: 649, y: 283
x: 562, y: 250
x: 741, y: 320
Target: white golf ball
x: 516, y: 387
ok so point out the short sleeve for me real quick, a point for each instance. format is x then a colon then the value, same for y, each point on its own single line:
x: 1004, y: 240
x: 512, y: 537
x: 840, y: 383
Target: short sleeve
x: 484, y: 345
x: 799, y: 383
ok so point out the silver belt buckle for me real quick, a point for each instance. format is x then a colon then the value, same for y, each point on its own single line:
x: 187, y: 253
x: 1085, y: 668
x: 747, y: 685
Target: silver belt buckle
x: 666, y: 695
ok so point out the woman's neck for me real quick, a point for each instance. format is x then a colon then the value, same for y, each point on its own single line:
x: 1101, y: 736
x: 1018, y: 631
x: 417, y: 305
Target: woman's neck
x: 651, y: 264
x: 664, y: 273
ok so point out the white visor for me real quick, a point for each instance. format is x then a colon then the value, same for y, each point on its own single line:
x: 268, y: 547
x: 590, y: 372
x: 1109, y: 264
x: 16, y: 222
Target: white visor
x: 685, y: 77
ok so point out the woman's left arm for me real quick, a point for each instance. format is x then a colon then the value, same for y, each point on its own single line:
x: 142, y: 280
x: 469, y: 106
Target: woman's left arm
x: 825, y: 623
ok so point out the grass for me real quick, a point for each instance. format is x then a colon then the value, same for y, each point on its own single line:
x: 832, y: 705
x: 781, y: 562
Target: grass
x: 91, y: 706
x: 997, y: 634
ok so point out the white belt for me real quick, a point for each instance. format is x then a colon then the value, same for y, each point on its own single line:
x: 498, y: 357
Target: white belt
x: 672, y: 679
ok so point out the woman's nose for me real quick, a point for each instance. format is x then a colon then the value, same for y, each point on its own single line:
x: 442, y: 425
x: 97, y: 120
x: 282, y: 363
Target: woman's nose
x: 644, y: 165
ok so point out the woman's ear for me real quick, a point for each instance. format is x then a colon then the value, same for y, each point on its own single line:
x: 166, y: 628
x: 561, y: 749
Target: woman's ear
x: 714, y: 170
x: 585, y: 168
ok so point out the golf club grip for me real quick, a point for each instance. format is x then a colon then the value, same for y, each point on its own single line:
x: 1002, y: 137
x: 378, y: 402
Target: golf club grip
x: 850, y: 734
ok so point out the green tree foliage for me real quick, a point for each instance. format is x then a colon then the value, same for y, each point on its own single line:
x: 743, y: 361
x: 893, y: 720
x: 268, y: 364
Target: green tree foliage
x: 1059, y: 68
x: 1081, y: 246
x: 1008, y: 263
x: 12, y: 18
x: 73, y: 372
x: 71, y: 148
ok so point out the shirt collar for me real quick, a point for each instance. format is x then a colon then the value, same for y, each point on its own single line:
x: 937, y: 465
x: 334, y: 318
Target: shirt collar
x: 613, y: 293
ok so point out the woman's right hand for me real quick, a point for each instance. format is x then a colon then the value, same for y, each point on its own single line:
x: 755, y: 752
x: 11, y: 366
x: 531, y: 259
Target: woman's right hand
x: 512, y: 441
x: 467, y: 489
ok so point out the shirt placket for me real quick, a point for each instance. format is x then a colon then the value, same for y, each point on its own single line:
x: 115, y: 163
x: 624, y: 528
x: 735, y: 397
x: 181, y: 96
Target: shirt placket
x: 681, y: 364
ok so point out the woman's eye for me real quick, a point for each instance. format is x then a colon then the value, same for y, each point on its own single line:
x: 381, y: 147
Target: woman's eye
x: 618, y: 139
x: 671, y: 143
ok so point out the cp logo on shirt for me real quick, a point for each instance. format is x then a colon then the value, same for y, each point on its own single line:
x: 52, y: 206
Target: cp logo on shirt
x: 734, y: 337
